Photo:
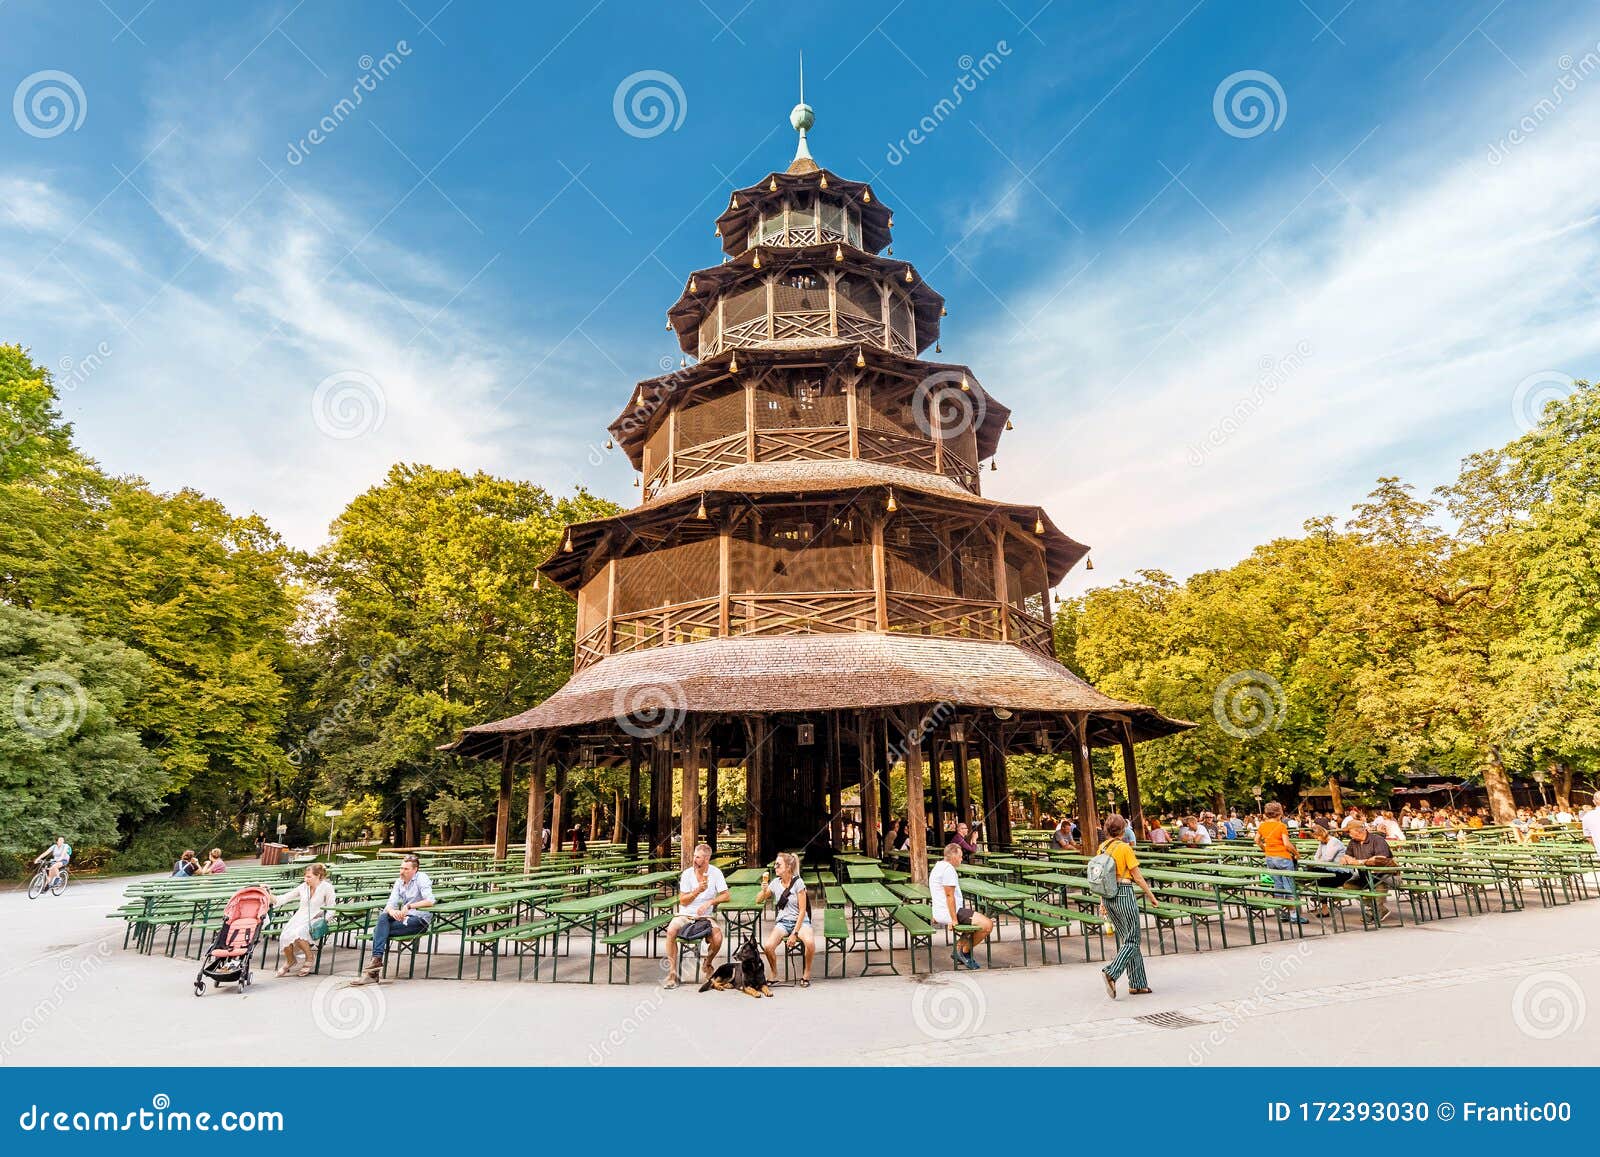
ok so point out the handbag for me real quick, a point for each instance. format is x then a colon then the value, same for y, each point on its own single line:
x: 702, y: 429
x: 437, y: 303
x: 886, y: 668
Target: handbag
x: 319, y: 928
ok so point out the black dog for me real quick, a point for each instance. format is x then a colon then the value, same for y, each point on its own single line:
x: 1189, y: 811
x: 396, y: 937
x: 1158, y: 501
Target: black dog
x: 744, y: 972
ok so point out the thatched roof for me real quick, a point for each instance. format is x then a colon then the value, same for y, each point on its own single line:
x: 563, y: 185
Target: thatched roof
x: 567, y: 567
x: 815, y: 673
x: 692, y: 306
x: 654, y: 396
x: 745, y: 206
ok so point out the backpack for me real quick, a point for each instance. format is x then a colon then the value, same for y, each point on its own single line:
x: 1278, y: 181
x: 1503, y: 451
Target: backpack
x: 1102, y: 873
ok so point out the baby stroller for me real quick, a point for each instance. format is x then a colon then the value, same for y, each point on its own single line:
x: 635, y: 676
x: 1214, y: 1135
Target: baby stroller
x: 227, y: 961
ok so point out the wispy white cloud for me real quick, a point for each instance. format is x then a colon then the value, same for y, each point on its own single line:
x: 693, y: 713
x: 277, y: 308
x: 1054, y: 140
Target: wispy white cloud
x: 1192, y: 396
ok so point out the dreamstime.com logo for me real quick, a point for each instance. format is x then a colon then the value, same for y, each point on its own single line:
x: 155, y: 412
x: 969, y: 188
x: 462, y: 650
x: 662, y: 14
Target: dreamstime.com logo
x: 649, y: 707
x: 348, y: 404
x: 1248, y: 103
x: 48, y: 704
x: 649, y: 103
x: 344, y: 1012
x: 1247, y: 703
x: 947, y: 405
x: 48, y: 103
x: 951, y: 1007
x: 1534, y: 393
x: 159, y: 1117
x: 1548, y: 1004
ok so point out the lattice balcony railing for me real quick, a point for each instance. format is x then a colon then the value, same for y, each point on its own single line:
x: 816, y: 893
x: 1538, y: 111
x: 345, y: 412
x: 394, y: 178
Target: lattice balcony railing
x: 817, y: 612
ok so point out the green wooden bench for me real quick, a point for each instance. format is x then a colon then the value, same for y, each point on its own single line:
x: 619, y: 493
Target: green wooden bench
x: 521, y: 937
x: 1054, y: 922
x: 835, y: 938
x: 918, y: 929
x: 619, y: 944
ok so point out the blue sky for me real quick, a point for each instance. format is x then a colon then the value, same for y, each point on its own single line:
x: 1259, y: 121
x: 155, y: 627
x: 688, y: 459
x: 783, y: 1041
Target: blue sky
x: 1207, y: 332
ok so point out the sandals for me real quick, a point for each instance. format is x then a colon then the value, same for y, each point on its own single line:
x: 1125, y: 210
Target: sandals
x: 805, y: 982
x: 671, y: 983
x: 305, y: 970
x: 282, y: 972
x: 1111, y: 985
x: 1140, y: 991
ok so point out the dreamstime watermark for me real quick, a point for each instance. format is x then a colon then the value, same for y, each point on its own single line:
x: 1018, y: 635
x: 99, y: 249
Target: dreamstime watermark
x: 348, y: 404
x: 1248, y: 103
x: 372, y: 674
x: 973, y: 73
x: 926, y: 726
x: 373, y: 73
x: 49, y: 103
x: 70, y: 373
x: 1534, y: 393
x: 946, y: 405
x: 609, y: 1046
x: 649, y: 707
x: 1573, y: 72
x: 949, y: 1007
x: 344, y: 1011
x: 75, y: 972
x: 1276, y: 969
x: 1248, y: 703
x: 48, y: 704
x: 649, y: 103
x: 1548, y: 1004
x: 1275, y: 372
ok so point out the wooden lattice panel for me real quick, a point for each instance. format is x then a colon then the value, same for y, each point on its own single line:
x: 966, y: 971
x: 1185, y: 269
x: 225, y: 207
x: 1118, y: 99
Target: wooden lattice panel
x: 953, y: 618
x: 803, y: 614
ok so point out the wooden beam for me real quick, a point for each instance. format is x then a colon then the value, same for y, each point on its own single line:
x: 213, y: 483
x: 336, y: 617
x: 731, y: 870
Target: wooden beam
x: 936, y: 759
x: 713, y: 816
x: 835, y: 782
x: 866, y: 750
x: 635, y: 812
x: 724, y: 577
x: 661, y: 795
x: 502, y: 811
x: 536, y: 778
x: 880, y: 761
x: 911, y: 721
x: 556, y: 818
x: 963, y: 783
x: 880, y: 581
x: 1130, y: 774
x: 755, y: 760
x: 1083, y: 779
x: 689, y: 821
x: 998, y: 537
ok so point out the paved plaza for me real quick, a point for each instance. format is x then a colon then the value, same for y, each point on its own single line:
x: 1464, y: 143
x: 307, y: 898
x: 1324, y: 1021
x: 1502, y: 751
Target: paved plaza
x: 1514, y: 988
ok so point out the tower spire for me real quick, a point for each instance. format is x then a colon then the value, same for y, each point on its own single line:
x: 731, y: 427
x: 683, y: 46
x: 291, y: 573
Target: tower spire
x: 802, y: 118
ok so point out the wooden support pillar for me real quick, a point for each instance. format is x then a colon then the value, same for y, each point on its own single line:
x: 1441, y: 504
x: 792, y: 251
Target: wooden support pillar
x: 536, y: 779
x: 617, y: 815
x: 835, y: 782
x: 1083, y: 779
x: 689, y: 821
x: 880, y: 585
x: 1334, y: 798
x: 963, y: 784
x: 867, y: 752
x: 1130, y: 774
x: 661, y: 795
x: 502, y: 811
x: 910, y: 720
x: 935, y: 759
x: 713, y: 816
x: 880, y: 760
x: 757, y: 755
x: 990, y: 749
x: 556, y: 806
x: 1002, y: 775
x: 635, y: 812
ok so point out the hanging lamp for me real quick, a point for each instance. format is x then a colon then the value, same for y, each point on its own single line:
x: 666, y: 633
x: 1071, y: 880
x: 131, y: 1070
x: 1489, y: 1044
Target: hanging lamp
x: 733, y: 363
x: 823, y: 182
x: 892, y: 506
x: 838, y: 252
x: 908, y: 275
x: 693, y: 288
x: 861, y: 359
x: 772, y: 185
x: 867, y: 196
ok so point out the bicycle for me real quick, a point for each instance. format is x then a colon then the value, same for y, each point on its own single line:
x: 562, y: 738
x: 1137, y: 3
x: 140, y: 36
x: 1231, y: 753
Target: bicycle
x: 41, y: 881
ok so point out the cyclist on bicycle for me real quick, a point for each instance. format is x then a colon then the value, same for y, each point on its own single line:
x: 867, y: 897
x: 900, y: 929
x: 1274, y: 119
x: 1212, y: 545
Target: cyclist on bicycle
x: 59, y: 854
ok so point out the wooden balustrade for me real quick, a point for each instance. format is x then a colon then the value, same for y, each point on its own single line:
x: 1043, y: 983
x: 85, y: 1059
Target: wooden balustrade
x: 816, y: 612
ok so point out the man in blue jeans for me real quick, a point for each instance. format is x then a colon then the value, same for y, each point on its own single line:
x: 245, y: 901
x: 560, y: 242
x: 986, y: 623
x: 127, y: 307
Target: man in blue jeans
x: 405, y: 914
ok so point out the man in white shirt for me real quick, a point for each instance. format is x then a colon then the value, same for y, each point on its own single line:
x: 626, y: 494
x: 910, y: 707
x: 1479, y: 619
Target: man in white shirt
x: 1591, y: 826
x: 950, y: 908
x: 700, y: 889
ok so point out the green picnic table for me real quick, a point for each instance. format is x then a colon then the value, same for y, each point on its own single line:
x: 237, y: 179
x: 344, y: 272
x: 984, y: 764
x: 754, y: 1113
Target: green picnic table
x: 592, y: 911
x: 742, y: 912
x: 873, y: 906
x: 744, y: 876
x: 865, y: 873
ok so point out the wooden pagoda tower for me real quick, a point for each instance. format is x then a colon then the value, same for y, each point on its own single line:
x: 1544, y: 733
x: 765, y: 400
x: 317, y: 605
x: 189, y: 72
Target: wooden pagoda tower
x: 812, y: 588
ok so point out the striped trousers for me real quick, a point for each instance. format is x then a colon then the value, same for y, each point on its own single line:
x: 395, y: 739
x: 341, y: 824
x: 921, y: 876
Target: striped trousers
x: 1125, y: 918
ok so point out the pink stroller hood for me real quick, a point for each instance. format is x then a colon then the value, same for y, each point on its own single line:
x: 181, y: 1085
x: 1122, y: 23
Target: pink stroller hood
x: 248, y: 904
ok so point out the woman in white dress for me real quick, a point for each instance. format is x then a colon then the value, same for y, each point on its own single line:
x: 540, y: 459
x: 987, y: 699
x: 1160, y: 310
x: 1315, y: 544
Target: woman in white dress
x: 315, y: 894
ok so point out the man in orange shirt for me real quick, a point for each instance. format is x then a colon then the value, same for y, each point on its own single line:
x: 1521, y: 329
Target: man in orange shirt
x: 1272, y: 837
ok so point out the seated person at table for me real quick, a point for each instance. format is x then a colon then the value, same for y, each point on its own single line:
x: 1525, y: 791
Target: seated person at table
x: 1370, y: 849
x: 1062, y: 836
x: 950, y: 908
x: 1158, y: 834
x: 700, y: 889
x: 404, y: 915
x: 963, y: 837
x: 1329, y: 848
x: 792, y: 917
x: 186, y: 865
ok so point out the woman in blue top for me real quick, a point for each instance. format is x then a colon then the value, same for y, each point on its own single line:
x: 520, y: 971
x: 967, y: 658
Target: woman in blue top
x: 791, y: 922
